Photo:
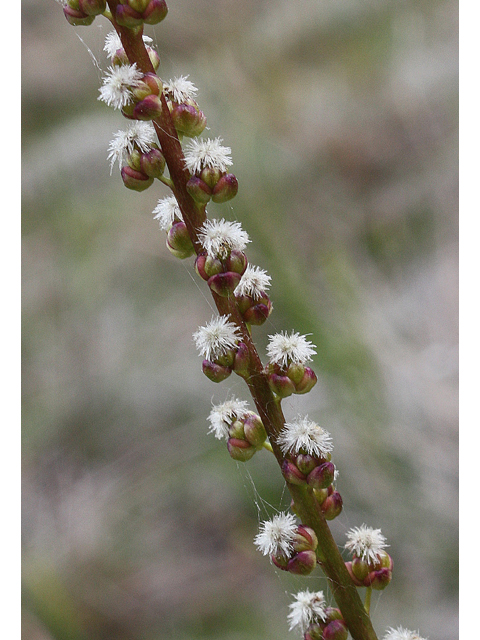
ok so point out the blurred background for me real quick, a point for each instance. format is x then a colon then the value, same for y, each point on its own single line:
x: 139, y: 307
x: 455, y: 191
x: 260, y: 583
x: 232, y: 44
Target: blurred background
x: 342, y: 119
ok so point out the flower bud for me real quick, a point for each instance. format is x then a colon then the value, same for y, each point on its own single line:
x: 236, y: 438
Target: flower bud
x: 188, y: 120
x: 332, y: 506
x: 378, y: 579
x: 258, y: 313
x: 321, y: 495
x: 154, y: 57
x: 303, y: 377
x: 321, y: 476
x: 236, y: 261
x: 215, y: 372
x: 179, y: 242
x: 224, y: 284
x: 153, y: 163
x: 211, y: 175
x: 281, y: 385
x: 335, y: 630
x: 225, y: 189
x: 135, y: 180
x: 254, y: 430
x: 207, y: 266
x: 305, y: 539
x: 137, y: 5
x: 77, y: 18
x: 242, y: 360
x: 355, y: 580
x: 128, y: 17
x: 92, y: 7
x: 240, y: 450
x: 155, y: 12
x: 359, y: 569
x: 302, y: 563
x: 305, y: 463
x: 148, y: 108
x: 314, y: 631
x: 292, y: 474
x: 199, y: 190
x: 280, y: 561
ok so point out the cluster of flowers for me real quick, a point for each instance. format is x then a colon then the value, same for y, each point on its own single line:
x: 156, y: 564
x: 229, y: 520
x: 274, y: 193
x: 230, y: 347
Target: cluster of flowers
x: 223, y: 265
x: 316, y: 621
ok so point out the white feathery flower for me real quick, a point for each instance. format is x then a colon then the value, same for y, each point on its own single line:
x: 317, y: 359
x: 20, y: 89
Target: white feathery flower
x: 219, y: 237
x: 216, y: 338
x: 308, y: 608
x: 365, y: 543
x: 284, y: 349
x: 166, y: 211
x: 401, y: 634
x: 180, y: 89
x: 113, y: 43
x: 223, y: 415
x: 304, y: 435
x: 207, y: 154
x: 139, y: 134
x: 254, y: 282
x: 277, y: 535
x: 117, y: 86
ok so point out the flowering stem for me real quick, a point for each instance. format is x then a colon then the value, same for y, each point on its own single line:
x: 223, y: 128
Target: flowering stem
x: 267, y: 404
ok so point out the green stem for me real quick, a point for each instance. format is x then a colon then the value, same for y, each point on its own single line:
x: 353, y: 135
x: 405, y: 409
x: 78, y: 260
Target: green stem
x: 368, y: 599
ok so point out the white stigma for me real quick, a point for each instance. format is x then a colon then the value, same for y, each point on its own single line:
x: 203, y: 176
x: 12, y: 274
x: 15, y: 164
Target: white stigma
x: 365, y: 543
x: 284, y: 349
x: 308, y: 608
x: 304, y: 435
x: 117, y: 86
x: 220, y: 237
x: 223, y: 415
x: 138, y: 134
x: 207, y: 154
x: 276, y: 536
x: 216, y: 338
x: 254, y: 283
x: 166, y: 211
x: 180, y: 89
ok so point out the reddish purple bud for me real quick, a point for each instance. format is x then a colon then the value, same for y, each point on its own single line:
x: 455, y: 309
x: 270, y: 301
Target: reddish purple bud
x: 153, y: 163
x: 302, y: 563
x: 305, y: 539
x: 155, y: 12
x: 206, y: 266
x: 254, y: 430
x: 92, y: 7
x: 258, y: 313
x: 179, y: 242
x: 211, y: 176
x: 335, y: 630
x: 332, y: 506
x: 215, y: 372
x: 359, y: 569
x: 148, y: 108
x: 280, y: 561
x: 281, y: 385
x: 240, y: 450
x: 355, y: 580
x: 378, y: 579
x: 224, y: 283
x: 199, y: 190
x: 332, y: 613
x: 242, y: 360
x: 77, y: 18
x: 322, y: 476
x: 305, y: 463
x: 225, y: 189
x: 292, y: 474
x: 188, y: 120
x: 135, y: 180
x: 236, y: 261
x: 308, y: 381
x: 127, y: 17
x: 314, y: 631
